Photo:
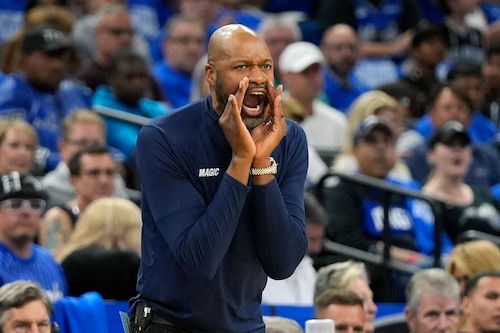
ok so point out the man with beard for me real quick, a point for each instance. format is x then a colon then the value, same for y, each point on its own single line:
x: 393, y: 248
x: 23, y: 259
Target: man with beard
x: 41, y: 93
x: 22, y: 203
x: 223, y: 200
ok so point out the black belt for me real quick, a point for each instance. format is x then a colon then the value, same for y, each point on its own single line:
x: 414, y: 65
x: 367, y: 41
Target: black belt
x: 159, y: 320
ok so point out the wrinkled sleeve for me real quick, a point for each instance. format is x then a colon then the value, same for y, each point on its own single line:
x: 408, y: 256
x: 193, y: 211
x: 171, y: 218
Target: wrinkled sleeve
x: 280, y: 226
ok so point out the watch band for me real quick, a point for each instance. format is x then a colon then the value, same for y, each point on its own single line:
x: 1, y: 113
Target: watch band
x: 270, y: 170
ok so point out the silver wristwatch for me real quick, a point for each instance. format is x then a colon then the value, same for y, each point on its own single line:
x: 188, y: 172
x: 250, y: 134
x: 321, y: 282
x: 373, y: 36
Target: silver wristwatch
x: 270, y: 170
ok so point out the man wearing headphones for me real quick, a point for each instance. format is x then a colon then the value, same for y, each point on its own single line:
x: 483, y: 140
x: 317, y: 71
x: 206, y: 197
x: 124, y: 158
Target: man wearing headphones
x: 25, y: 307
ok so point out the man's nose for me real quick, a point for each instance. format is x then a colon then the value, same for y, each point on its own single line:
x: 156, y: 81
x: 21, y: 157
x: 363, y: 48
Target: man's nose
x: 257, y: 75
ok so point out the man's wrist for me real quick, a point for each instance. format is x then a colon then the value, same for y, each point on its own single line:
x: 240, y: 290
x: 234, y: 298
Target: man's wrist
x: 260, y: 169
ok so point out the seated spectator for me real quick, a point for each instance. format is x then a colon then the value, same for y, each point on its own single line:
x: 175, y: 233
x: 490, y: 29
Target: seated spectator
x: 491, y: 74
x: 57, y: 16
x: 384, y: 27
x: 84, y: 32
x: 277, y: 324
x: 466, y: 43
x: 317, y: 167
x: 300, y: 66
x: 470, y: 79
x: 344, y: 307
x: 432, y: 302
x: 25, y: 307
x: 348, y: 275
x: 106, y: 261
x: 41, y: 93
x: 356, y: 211
x: 473, y: 257
x: 298, y: 289
x: 184, y: 43
x: 22, y: 203
x: 340, y: 47
x: 126, y: 90
x: 452, y: 103
x: 80, y: 129
x: 371, y: 103
x: 92, y: 172
x: 480, y: 303
x: 18, y: 143
x: 470, y: 258
x: 428, y: 50
x: 278, y: 31
x: 464, y: 207
x: 113, y: 32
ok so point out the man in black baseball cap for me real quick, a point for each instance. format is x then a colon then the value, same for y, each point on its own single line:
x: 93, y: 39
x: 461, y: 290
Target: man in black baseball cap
x: 43, y: 92
x: 16, y: 185
x: 22, y: 203
x: 450, y: 133
x: 46, y: 52
x: 45, y: 38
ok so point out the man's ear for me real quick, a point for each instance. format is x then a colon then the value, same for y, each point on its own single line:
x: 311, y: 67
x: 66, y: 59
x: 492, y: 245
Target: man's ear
x: 430, y: 158
x: 409, y: 317
x: 465, y: 305
x: 210, y: 74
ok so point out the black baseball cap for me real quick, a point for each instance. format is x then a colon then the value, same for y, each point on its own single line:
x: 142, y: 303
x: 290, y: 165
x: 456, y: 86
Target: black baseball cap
x: 44, y: 38
x: 369, y: 124
x: 16, y: 185
x: 449, y: 133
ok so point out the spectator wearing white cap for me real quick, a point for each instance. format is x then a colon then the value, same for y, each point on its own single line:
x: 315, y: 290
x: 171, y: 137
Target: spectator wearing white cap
x: 301, y: 73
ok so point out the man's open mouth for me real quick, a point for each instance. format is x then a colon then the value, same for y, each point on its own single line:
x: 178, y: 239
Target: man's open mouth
x: 254, y: 102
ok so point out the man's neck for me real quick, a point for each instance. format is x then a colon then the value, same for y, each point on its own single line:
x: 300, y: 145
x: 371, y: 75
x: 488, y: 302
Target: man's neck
x: 340, y: 74
x: 22, y: 248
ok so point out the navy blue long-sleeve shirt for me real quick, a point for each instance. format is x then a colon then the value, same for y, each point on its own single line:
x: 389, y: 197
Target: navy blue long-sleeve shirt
x: 209, y: 242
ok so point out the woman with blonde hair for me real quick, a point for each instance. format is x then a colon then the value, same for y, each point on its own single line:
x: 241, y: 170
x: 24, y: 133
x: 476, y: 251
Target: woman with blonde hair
x: 350, y: 275
x: 18, y: 143
x: 103, y: 252
x: 470, y: 258
x: 377, y: 103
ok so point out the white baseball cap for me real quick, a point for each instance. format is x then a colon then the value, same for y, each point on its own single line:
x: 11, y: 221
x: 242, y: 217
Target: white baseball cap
x: 297, y: 56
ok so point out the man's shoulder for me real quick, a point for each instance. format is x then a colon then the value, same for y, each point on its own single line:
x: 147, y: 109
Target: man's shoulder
x: 13, y: 87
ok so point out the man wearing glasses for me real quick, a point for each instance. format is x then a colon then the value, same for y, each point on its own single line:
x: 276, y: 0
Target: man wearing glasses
x: 22, y: 203
x: 93, y: 172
